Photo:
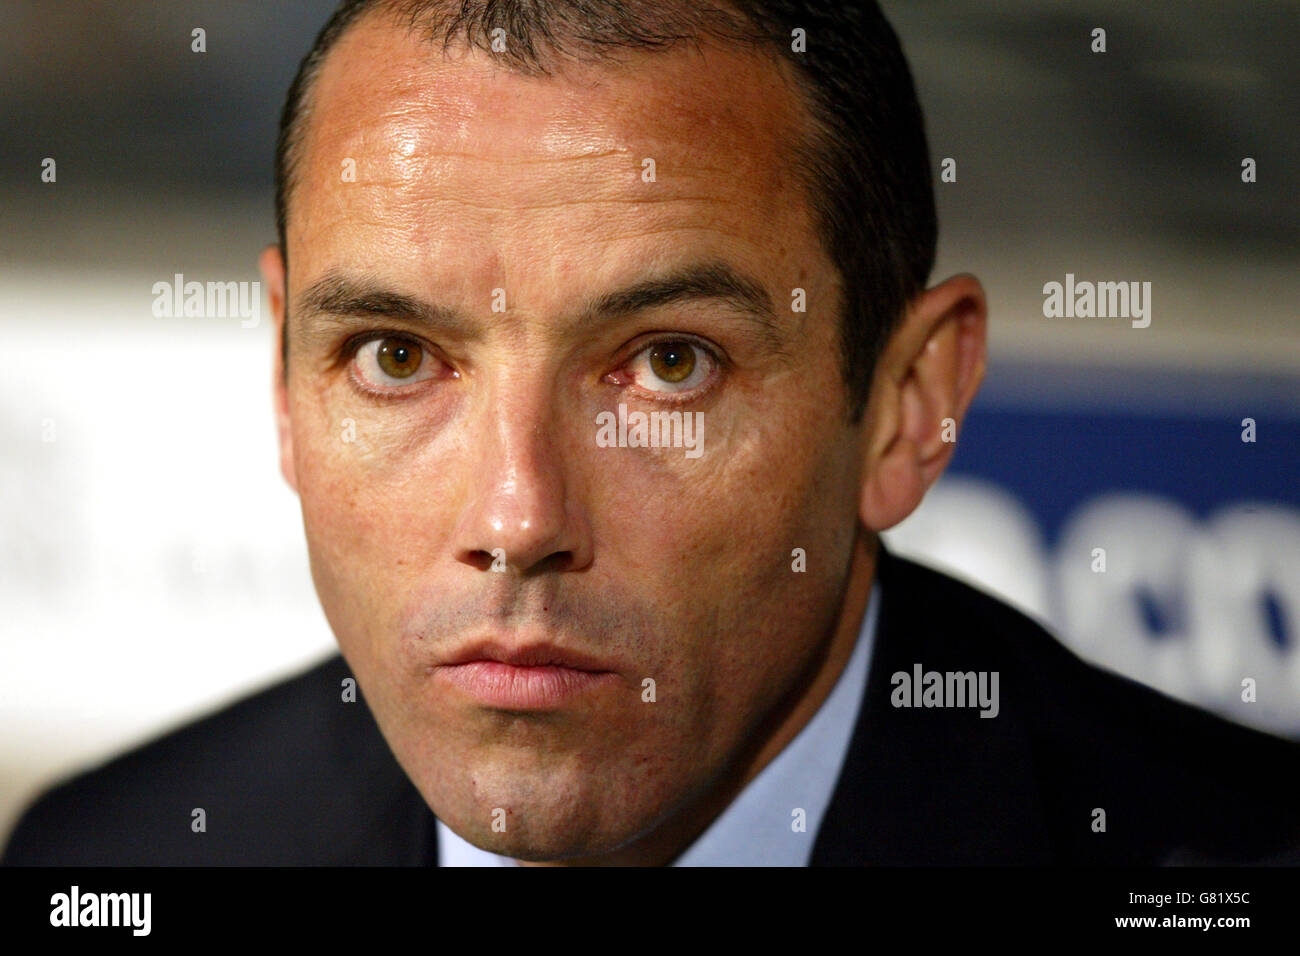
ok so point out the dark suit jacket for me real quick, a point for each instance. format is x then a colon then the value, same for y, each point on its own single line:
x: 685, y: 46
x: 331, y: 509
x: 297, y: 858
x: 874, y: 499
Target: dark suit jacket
x: 294, y: 776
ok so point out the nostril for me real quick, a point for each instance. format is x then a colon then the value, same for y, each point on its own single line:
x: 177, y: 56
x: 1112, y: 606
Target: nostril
x: 480, y: 560
x: 554, y: 562
x: 495, y: 560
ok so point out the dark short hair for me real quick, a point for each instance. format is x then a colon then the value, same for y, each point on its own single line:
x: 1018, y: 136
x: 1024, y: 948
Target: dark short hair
x: 865, y: 164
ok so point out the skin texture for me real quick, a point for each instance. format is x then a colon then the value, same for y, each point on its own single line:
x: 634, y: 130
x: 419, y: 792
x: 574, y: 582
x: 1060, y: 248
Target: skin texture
x: 471, y: 179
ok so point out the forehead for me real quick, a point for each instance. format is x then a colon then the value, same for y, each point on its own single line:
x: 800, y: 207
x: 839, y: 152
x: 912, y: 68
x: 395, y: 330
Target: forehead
x: 453, y: 146
x: 382, y: 74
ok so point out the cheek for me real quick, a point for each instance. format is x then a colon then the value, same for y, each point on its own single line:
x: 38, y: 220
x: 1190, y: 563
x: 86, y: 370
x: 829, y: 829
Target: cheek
x: 370, y: 511
x: 714, y: 539
x: 764, y: 485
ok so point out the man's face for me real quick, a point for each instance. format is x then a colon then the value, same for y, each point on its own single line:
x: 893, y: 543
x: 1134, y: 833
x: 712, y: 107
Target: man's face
x: 463, y: 228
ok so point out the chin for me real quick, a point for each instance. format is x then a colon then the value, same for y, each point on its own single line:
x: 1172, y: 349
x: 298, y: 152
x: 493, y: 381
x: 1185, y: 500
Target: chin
x: 546, y: 851
x: 547, y: 816
x: 545, y: 837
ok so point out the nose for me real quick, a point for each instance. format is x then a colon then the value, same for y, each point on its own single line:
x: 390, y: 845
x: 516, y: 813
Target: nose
x: 522, y: 513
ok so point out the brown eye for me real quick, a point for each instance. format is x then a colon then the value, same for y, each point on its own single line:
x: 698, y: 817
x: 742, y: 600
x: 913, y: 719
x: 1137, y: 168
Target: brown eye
x: 398, y: 358
x: 672, y: 361
x: 392, y: 362
x: 673, y: 367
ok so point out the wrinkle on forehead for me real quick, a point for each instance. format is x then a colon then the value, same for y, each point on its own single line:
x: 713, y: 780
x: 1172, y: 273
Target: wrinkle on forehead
x: 393, y: 97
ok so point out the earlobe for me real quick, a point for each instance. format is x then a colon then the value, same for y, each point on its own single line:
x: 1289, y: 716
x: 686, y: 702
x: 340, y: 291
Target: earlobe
x: 271, y: 263
x: 926, y: 379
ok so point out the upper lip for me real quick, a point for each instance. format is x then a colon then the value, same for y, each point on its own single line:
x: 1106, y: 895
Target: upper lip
x: 526, y: 655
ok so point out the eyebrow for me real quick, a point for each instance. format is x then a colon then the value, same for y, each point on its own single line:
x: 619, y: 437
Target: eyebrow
x: 703, y: 281
x: 339, y: 294
x: 343, y: 295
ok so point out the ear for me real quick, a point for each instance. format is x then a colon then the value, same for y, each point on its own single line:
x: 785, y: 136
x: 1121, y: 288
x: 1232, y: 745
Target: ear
x: 924, y: 382
x: 271, y: 263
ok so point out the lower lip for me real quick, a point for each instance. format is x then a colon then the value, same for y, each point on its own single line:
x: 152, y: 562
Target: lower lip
x: 495, y: 684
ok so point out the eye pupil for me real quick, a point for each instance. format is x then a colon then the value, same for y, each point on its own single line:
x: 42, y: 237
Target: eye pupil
x: 399, y: 358
x: 673, y: 361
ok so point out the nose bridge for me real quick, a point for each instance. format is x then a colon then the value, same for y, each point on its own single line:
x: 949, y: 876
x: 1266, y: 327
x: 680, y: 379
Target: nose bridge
x: 520, y: 457
x: 520, y: 511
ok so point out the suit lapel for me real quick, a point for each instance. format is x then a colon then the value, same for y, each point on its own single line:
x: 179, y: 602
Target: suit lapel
x: 929, y: 786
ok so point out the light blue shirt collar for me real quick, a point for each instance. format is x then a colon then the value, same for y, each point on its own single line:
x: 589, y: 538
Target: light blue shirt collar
x: 775, y: 819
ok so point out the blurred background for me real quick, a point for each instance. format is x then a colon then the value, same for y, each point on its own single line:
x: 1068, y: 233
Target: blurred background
x: 152, y: 563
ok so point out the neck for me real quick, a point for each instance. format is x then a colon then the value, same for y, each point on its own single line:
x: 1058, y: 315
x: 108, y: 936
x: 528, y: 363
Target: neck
x: 670, y: 839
